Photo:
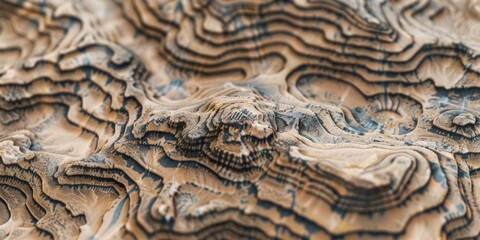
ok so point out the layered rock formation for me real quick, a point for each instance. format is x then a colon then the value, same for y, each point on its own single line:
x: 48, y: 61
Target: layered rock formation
x: 232, y: 119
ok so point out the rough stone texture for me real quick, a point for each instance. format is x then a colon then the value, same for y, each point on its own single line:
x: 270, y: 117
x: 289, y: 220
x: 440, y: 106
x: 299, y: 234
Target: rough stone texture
x: 214, y: 119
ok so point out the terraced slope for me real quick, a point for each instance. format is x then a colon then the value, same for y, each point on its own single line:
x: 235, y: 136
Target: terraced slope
x: 233, y: 119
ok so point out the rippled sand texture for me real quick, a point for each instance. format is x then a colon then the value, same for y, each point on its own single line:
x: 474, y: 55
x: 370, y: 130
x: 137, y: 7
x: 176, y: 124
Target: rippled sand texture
x: 232, y: 119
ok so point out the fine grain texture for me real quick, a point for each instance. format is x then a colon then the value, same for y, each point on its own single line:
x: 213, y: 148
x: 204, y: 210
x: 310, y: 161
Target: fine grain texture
x: 235, y: 119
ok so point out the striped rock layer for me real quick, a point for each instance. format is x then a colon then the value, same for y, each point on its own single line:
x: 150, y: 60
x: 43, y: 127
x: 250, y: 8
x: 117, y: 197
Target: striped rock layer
x: 239, y: 119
